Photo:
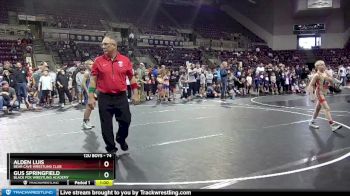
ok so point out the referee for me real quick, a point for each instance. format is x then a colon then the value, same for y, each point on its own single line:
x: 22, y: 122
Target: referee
x: 108, y: 76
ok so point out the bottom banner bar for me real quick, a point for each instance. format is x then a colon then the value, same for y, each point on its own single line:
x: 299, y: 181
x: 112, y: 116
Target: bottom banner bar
x: 52, y: 183
x: 119, y: 192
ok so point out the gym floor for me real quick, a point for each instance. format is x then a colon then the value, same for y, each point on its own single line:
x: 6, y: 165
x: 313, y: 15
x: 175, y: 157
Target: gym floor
x: 248, y: 143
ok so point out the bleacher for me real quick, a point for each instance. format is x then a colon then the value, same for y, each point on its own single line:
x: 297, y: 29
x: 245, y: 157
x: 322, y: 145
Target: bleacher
x: 161, y: 19
x: 11, y: 51
x: 173, y: 57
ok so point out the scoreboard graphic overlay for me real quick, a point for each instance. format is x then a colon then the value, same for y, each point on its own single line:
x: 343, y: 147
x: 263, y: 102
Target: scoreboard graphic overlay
x: 61, y: 168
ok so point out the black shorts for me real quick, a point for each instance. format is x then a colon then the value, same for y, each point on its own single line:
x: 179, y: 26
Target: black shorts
x: 147, y: 87
x: 172, y: 87
x: 53, y: 93
x: 192, y: 88
x: 46, y: 94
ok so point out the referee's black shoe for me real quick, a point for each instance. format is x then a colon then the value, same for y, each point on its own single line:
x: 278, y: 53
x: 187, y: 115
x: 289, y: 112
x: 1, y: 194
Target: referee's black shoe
x: 123, y: 145
x: 112, y: 151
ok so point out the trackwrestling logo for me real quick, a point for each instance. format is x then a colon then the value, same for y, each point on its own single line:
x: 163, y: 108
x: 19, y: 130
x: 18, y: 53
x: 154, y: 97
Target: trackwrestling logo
x: 32, y: 192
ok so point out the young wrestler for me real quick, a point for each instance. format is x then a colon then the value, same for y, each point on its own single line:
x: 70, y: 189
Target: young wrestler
x: 318, y: 89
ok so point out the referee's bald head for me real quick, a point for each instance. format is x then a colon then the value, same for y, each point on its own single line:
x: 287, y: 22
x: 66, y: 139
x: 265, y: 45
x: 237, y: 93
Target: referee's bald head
x: 112, y: 37
x: 109, y: 44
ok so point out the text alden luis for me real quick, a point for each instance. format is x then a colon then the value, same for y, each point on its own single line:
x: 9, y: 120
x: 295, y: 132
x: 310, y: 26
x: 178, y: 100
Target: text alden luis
x: 34, y: 164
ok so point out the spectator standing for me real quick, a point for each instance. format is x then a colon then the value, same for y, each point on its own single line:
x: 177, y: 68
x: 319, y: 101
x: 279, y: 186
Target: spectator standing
x: 46, y: 86
x: 224, y: 78
x: 20, y: 74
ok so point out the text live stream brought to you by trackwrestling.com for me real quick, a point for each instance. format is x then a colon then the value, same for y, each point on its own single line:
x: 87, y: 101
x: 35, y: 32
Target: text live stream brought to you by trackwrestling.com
x: 93, y: 192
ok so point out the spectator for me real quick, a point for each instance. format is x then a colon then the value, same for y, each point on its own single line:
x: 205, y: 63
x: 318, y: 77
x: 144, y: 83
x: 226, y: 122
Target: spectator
x: 183, y: 84
x: 141, y: 71
x: 131, y: 39
x: 249, y: 80
x: 21, y: 78
x: 273, y: 80
x: 19, y: 42
x: 148, y: 85
x: 260, y: 69
x: 173, y: 80
x: 166, y: 85
x: 53, y: 76
x: 46, y: 86
x: 342, y: 75
x: 223, y: 76
x: 209, y: 76
x: 202, y: 84
x: 191, y: 81
x: 32, y: 98
x: 330, y: 71
x: 198, y: 72
x: 155, y: 72
x: 10, y: 78
x: 217, y: 76
x: 243, y: 85
x: 79, y: 82
x: 231, y: 84
x: 8, y: 97
x: 63, y: 87
x: 302, y: 87
x: 36, y: 77
x: 13, y: 49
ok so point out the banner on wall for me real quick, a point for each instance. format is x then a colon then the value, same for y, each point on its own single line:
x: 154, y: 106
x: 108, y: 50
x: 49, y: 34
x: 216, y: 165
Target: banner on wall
x: 22, y: 17
x: 164, y: 42
x: 85, y: 38
x: 26, y: 17
x: 320, y: 3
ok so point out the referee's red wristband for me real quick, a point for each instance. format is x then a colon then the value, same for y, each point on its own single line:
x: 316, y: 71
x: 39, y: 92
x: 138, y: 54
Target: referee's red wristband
x: 134, y: 86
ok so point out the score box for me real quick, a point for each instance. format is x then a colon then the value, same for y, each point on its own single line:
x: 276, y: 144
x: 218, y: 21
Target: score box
x: 59, y: 168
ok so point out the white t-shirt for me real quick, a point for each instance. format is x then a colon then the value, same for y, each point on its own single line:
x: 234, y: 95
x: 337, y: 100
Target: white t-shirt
x: 249, y: 80
x: 330, y: 72
x: 70, y: 83
x: 191, y: 74
x: 183, y: 81
x: 79, y: 78
x: 53, y: 75
x: 260, y: 69
x: 202, y: 78
x: 344, y: 72
x: 286, y: 81
x: 198, y: 70
x: 210, y: 77
x: 46, y: 82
